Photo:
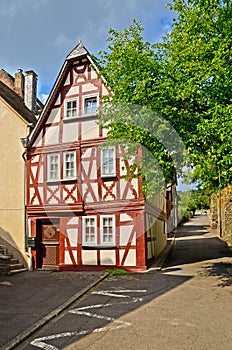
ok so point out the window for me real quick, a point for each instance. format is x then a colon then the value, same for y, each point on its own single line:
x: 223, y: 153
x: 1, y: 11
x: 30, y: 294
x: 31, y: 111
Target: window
x: 89, y: 230
x: 69, y: 165
x: 108, y: 166
x: 107, y: 230
x: 53, y: 167
x: 71, y: 108
x: 90, y: 105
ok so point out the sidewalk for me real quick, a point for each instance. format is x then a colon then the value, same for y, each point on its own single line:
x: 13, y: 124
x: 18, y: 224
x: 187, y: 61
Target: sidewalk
x: 28, y: 300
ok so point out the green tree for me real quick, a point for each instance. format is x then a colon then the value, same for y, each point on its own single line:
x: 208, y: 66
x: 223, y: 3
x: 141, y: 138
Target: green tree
x: 185, y: 79
x: 197, y: 64
x: 131, y: 67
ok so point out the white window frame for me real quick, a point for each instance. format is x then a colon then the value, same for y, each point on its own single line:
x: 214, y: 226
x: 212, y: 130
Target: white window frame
x: 49, y: 165
x: 65, y: 169
x: 84, y: 221
x: 73, y: 115
x: 108, y: 164
x: 113, y: 242
x: 88, y: 97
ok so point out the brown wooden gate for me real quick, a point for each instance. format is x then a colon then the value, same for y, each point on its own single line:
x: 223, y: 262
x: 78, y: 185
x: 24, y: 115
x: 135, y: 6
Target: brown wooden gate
x: 50, y: 244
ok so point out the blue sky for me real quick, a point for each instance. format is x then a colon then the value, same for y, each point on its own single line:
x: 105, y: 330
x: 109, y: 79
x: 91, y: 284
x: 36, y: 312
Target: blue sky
x: 39, y: 34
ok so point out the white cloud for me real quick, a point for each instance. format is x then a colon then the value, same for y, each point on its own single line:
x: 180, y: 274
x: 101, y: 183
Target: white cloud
x: 43, y: 32
x: 43, y: 97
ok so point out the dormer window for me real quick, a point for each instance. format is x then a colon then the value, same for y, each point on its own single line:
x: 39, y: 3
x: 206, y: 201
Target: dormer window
x: 90, y: 105
x: 71, y: 108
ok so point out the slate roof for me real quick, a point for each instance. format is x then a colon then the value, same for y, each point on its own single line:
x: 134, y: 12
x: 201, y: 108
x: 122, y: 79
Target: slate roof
x: 16, y: 102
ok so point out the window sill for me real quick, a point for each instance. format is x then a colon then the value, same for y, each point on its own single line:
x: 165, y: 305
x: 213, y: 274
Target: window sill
x: 79, y: 117
x: 58, y: 181
x: 109, y: 177
x: 98, y: 247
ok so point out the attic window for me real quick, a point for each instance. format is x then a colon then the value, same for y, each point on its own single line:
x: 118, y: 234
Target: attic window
x: 71, y: 108
x: 90, y: 105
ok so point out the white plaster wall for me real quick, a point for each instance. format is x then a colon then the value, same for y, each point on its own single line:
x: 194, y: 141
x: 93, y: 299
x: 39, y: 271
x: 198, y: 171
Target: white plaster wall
x: 125, y: 217
x: 54, y: 116
x: 89, y: 198
x: 74, y: 90
x: 38, y: 141
x: 41, y: 174
x: 52, y: 135
x: 67, y: 81
x: 70, y: 132
x: 72, y: 234
x: 58, y: 101
x: 94, y: 74
x: 107, y: 257
x: 90, y: 130
x: 129, y: 195
x: 131, y: 257
x: 89, y: 257
x: 89, y: 87
x: 67, y: 259
x: 73, y: 221
x: 125, y: 232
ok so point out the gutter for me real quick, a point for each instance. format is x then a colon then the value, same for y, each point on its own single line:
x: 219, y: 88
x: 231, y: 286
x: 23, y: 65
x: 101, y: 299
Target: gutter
x: 24, y: 142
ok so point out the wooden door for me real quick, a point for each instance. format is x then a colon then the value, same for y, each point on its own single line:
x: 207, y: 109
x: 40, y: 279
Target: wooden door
x: 50, y: 244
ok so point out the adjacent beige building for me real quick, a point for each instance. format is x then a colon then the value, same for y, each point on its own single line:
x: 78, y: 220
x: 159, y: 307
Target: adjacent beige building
x: 16, y: 122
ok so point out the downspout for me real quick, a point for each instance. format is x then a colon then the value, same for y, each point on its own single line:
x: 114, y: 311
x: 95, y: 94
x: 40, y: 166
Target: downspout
x: 24, y: 142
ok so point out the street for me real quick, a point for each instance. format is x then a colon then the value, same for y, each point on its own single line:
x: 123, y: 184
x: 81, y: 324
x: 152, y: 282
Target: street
x: 187, y: 305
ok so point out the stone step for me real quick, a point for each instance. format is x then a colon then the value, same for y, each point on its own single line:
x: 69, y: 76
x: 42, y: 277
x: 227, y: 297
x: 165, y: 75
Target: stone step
x: 3, y: 250
x: 11, y: 272
x: 5, y: 257
x: 16, y: 266
x: 10, y: 265
x: 14, y: 261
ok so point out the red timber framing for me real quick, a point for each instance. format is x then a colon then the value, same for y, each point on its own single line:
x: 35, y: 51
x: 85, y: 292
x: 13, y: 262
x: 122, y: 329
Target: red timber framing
x: 82, y: 217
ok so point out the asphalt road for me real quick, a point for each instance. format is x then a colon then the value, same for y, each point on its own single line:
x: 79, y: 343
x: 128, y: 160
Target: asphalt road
x: 187, y: 305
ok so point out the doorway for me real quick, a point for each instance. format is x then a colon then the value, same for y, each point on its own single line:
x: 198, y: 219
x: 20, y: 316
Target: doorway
x: 48, y: 243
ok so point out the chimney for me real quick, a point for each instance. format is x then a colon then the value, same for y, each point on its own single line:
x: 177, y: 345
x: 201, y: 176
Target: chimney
x: 30, y: 90
x: 6, y: 79
x: 19, y: 83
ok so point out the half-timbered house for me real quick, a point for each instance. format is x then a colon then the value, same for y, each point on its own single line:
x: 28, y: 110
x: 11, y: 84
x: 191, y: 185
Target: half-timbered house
x: 82, y: 212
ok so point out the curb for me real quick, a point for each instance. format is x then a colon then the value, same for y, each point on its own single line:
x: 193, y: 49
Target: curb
x: 33, y: 328
x: 163, y: 258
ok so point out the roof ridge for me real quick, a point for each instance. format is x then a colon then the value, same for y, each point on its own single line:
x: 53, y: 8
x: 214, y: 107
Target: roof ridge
x: 16, y: 102
x: 78, y: 51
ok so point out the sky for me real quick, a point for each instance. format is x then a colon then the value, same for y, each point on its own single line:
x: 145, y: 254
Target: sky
x: 39, y: 34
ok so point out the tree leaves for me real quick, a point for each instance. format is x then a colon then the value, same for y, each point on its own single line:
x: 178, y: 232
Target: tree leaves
x: 185, y: 79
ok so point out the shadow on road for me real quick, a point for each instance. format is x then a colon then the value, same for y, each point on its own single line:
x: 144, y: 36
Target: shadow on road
x: 221, y: 270
x: 193, y: 249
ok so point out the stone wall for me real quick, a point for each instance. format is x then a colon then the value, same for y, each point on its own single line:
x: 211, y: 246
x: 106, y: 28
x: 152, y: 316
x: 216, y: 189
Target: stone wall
x: 221, y: 214
x: 226, y: 214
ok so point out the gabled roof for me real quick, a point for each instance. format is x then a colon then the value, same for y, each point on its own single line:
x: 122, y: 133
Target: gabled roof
x: 77, y: 52
x: 16, y: 102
